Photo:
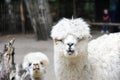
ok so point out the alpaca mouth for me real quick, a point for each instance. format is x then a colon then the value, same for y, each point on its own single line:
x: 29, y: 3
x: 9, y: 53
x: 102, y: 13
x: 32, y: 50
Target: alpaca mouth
x: 70, y: 52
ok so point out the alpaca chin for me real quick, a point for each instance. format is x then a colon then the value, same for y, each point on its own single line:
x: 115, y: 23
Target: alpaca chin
x: 36, y: 74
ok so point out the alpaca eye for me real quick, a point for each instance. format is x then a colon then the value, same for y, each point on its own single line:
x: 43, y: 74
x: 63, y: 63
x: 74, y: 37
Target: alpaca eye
x: 41, y: 63
x: 30, y: 64
x: 60, y: 40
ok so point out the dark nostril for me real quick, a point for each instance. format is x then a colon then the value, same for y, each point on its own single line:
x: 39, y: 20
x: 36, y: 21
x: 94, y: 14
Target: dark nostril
x: 30, y: 64
x: 70, y: 44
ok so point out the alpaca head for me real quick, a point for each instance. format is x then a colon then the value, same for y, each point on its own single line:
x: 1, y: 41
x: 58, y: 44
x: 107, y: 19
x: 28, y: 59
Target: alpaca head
x: 71, y: 37
x: 37, y: 69
x: 35, y: 64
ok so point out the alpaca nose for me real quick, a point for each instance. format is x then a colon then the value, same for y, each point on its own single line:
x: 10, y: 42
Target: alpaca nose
x: 36, y: 67
x: 70, y: 50
x: 70, y: 44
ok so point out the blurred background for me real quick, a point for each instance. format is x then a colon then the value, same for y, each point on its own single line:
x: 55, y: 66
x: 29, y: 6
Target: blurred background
x: 38, y: 16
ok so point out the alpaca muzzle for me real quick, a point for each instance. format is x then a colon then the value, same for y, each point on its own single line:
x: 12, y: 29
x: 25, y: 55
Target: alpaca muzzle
x: 70, y: 50
x: 36, y: 67
x: 36, y: 71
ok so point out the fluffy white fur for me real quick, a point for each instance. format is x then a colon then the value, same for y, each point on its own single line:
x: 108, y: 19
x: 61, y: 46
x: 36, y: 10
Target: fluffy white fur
x: 74, y: 59
x: 35, y: 63
x: 104, y: 57
x: 76, y: 27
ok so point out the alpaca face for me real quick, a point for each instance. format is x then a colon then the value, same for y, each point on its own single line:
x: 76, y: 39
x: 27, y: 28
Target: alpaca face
x: 72, y: 46
x: 36, y: 69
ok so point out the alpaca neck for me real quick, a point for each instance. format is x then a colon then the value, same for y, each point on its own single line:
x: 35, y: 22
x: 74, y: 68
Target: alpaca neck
x: 73, y: 68
x: 80, y: 60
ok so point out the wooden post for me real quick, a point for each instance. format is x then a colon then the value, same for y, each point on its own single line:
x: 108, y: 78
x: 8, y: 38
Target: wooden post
x: 22, y: 17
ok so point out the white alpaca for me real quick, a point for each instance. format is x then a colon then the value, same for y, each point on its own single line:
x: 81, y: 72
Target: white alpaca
x: 71, y: 57
x: 35, y: 63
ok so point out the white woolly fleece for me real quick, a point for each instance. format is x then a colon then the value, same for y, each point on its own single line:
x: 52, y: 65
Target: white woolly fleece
x: 97, y: 60
x: 76, y: 27
x: 104, y: 56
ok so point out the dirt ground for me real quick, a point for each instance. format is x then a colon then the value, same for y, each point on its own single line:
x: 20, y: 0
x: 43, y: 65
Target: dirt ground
x: 27, y: 43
